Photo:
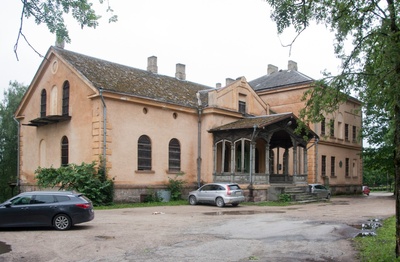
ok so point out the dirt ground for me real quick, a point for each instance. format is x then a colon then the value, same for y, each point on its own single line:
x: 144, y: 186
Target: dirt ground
x: 311, y: 232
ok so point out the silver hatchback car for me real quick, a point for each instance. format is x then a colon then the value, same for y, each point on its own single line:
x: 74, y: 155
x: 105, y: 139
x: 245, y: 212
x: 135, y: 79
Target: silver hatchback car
x: 320, y: 191
x: 218, y: 194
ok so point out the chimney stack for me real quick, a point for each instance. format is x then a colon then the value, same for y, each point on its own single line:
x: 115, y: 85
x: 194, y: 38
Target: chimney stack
x: 228, y: 81
x: 218, y: 85
x: 292, y: 65
x: 271, y: 69
x: 180, y: 72
x: 60, y: 43
x: 152, y: 64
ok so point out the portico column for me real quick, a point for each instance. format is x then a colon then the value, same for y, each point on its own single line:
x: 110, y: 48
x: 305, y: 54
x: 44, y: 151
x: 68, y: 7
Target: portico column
x: 294, y: 158
x: 223, y: 157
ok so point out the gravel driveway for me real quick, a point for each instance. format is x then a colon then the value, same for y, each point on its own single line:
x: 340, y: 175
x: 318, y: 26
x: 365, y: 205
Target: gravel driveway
x: 311, y: 232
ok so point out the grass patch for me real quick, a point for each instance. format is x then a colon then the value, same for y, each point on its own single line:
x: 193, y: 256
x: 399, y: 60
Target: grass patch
x: 381, y: 247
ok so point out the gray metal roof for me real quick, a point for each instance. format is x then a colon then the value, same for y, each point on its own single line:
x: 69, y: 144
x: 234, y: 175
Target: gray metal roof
x: 281, y: 78
x: 119, y: 78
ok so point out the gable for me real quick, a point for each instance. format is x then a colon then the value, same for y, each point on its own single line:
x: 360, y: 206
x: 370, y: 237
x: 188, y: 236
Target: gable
x: 236, y: 95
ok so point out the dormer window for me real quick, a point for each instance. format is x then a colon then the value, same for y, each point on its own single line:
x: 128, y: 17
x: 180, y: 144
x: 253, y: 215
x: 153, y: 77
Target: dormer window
x: 242, y: 107
x: 43, y: 99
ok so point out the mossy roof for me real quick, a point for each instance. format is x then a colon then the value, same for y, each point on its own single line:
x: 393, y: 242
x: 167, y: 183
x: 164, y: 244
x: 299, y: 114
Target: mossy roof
x: 114, y: 77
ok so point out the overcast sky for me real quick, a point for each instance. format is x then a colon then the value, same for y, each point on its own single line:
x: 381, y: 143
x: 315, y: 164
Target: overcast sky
x: 215, y: 39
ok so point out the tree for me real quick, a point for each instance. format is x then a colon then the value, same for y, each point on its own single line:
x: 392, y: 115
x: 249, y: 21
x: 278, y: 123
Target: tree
x: 51, y: 12
x: 371, y: 68
x: 9, y: 137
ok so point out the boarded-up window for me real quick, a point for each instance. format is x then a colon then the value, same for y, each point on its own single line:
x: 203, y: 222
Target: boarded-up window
x: 144, y: 153
x: 174, y: 155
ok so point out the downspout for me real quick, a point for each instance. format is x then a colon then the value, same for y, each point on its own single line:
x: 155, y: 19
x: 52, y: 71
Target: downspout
x: 104, y: 130
x: 18, y: 156
x: 251, y: 189
x: 199, y: 112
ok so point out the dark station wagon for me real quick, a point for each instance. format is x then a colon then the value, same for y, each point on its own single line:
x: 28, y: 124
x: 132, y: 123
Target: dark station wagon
x: 58, y: 209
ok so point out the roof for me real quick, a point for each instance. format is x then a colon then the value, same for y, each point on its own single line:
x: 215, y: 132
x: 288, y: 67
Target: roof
x: 119, y: 78
x: 250, y: 122
x: 281, y: 78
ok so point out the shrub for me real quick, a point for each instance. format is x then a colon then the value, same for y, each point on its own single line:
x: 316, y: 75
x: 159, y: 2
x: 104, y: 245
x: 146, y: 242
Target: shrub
x: 84, y: 178
x: 175, y: 185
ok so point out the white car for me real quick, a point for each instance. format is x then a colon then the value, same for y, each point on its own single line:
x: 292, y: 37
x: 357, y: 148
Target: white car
x: 320, y: 190
x: 218, y: 194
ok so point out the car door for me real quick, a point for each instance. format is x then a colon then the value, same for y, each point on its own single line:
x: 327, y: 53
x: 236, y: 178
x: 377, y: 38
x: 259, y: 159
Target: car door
x: 42, y: 209
x: 205, y: 194
x: 321, y: 191
x: 16, y: 212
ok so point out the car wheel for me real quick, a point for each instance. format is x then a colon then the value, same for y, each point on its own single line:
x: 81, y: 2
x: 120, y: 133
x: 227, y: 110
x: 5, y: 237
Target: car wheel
x: 192, y: 200
x: 235, y: 204
x: 328, y: 196
x: 220, y: 202
x: 62, y: 222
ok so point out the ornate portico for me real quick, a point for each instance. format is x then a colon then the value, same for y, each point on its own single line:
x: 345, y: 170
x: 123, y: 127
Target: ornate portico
x: 262, y: 150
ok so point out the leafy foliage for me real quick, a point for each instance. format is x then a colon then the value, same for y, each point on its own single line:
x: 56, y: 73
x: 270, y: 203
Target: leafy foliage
x: 9, y: 138
x: 82, y: 178
x: 52, y: 13
x: 175, y: 185
x: 371, y: 69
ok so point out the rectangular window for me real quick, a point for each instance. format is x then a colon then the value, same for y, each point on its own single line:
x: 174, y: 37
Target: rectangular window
x: 332, y: 128
x: 323, y: 166
x: 323, y: 126
x: 242, y: 107
x: 354, y: 134
x: 332, y: 166
x: 346, y: 132
x: 347, y: 167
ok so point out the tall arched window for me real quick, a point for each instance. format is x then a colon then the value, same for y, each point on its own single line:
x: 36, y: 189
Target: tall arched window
x: 174, y: 155
x: 65, y: 99
x: 43, y: 99
x: 64, y: 151
x: 144, y: 153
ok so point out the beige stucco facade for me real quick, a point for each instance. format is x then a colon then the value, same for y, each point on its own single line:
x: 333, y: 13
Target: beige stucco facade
x: 340, y: 149
x: 108, y: 108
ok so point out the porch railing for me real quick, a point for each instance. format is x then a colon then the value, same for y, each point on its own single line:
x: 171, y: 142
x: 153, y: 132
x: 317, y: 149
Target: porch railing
x: 260, y: 178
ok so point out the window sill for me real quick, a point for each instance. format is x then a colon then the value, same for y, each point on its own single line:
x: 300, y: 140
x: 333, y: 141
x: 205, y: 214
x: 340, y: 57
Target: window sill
x: 145, y: 172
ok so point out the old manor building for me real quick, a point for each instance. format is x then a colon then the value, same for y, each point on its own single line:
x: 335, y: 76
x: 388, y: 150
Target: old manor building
x: 149, y: 127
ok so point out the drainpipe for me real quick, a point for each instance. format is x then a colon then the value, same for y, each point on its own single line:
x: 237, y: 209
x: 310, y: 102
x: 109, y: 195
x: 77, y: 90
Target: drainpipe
x: 251, y: 196
x: 104, y: 130
x: 18, y: 150
x: 199, y: 112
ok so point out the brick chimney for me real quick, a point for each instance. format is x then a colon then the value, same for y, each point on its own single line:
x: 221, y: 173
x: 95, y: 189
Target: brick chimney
x: 180, y: 72
x: 292, y: 65
x: 228, y: 81
x: 152, y: 64
x: 218, y: 85
x: 271, y: 69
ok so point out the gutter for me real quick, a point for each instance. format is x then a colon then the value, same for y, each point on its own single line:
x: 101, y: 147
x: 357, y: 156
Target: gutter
x: 199, y: 160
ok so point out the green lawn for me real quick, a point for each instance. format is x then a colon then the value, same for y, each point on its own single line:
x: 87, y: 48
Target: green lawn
x: 380, y: 248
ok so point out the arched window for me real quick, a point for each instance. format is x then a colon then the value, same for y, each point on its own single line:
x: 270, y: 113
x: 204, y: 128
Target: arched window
x: 65, y: 99
x: 64, y: 151
x: 43, y: 99
x: 174, y: 155
x: 144, y: 153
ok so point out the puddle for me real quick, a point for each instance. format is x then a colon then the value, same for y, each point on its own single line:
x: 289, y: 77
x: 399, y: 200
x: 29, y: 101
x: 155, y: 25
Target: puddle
x: 104, y: 237
x: 4, y: 248
x: 244, y: 212
x: 368, y: 229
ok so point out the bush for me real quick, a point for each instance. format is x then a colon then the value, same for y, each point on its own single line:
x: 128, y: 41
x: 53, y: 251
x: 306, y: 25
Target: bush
x: 285, y: 198
x: 175, y: 185
x: 84, y: 178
